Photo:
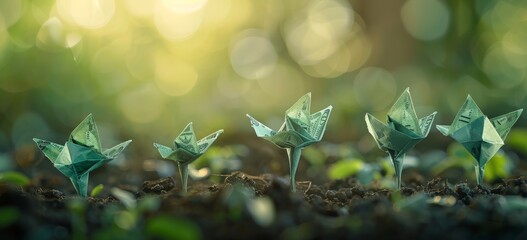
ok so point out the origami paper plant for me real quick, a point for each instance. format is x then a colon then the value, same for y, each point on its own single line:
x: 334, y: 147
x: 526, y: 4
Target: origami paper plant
x: 299, y: 130
x: 481, y: 136
x: 81, y: 154
x: 186, y: 150
x: 403, y: 131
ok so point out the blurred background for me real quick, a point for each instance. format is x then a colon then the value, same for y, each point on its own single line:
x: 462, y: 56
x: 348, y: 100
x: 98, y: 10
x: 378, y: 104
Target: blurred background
x: 145, y: 68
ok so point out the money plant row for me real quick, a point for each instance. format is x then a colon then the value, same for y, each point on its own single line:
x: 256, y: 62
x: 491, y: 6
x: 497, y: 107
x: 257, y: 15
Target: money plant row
x: 481, y: 136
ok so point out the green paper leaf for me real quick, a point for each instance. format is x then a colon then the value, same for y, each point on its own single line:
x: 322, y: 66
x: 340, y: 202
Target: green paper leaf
x: 187, y: 149
x: 187, y: 139
x: 86, y: 134
x: 481, y: 136
x: 402, y: 131
x: 81, y: 154
x: 300, y: 127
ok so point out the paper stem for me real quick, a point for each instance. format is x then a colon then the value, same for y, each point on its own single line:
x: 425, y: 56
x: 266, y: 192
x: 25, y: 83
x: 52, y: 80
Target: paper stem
x: 294, y: 158
x: 480, y: 170
x: 398, y: 165
x: 183, y: 173
x: 81, y: 185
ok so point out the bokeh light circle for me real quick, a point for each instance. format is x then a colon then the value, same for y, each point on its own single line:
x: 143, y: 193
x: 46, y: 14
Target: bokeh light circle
x: 174, y: 78
x: 374, y: 88
x: 174, y: 24
x: 10, y: 12
x: 425, y: 20
x: 184, y: 6
x: 90, y: 14
x: 499, y: 71
x: 231, y: 85
x: 51, y: 35
x: 315, y: 34
x: 141, y: 105
x: 253, y: 56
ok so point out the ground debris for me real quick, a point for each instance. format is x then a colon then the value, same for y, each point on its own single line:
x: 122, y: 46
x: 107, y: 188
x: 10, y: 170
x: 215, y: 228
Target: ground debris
x: 340, y: 209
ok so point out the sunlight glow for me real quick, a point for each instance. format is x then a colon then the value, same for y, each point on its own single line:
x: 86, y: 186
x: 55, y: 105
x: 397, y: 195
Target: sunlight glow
x: 253, y: 56
x: 174, y: 78
x: 177, y: 20
x: 90, y: 14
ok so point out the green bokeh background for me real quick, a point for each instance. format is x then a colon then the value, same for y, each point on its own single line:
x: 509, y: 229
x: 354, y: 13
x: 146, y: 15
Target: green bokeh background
x: 145, y: 68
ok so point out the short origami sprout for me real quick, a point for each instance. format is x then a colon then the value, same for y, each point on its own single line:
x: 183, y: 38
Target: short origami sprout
x: 403, y: 131
x: 186, y: 150
x: 299, y: 130
x: 81, y: 154
x: 481, y: 136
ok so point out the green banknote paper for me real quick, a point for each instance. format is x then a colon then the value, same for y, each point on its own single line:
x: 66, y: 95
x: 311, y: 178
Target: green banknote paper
x: 186, y: 150
x: 81, y: 154
x: 402, y: 131
x: 300, y: 129
x: 481, y: 136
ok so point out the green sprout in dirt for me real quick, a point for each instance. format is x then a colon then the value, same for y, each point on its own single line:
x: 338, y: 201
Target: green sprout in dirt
x: 186, y: 150
x: 300, y: 129
x: 403, y: 131
x: 481, y: 136
x: 81, y: 154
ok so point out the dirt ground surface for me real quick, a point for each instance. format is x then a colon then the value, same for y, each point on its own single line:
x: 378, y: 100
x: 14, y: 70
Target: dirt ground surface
x: 262, y: 207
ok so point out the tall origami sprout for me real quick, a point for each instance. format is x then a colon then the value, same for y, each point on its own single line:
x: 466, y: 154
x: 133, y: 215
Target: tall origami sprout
x: 403, y: 131
x: 299, y: 130
x: 81, y: 154
x: 186, y: 150
x: 481, y: 136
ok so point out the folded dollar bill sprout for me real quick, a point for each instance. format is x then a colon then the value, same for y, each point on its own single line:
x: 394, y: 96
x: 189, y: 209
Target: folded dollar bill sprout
x: 402, y: 132
x: 300, y: 129
x: 481, y: 136
x: 81, y: 154
x: 186, y: 150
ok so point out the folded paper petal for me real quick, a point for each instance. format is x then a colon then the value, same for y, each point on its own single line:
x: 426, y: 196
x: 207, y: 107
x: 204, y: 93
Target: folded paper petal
x: 300, y: 127
x: 468, y: 112
x: 402, y: 114
x: 81, y: 154
x: 389, y: 139
x: 481, y: 136
x: 86, y: 134
x: 186, y: 148
x: 187, y: 139
x: 504, y: 123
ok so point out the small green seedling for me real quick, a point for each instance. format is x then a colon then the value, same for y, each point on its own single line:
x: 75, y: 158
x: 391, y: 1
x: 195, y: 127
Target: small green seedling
x: 300, y: 129
x: 186, y: 150
x: 81, y: 154
x: 14, y: 178
x: 97, y: 190
x: 481, y: 136
x: 403, y: 131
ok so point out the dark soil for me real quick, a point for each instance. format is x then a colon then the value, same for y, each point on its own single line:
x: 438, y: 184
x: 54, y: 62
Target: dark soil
x: 341, y: 209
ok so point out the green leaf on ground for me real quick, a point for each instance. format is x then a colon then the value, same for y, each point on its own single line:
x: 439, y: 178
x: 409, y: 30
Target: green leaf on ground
x: 14, y: 178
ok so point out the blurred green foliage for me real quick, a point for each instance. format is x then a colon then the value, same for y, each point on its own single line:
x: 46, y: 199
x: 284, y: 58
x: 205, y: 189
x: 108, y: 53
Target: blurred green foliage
x: 8, y: 216
x: 517, y: 140
x: 165, y: 227
x: 219, y: 160
x: 145, y: 67
x: 97, y: 190
x: 345, y: 168
x: 14, y: 178
x: 499, y: 166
